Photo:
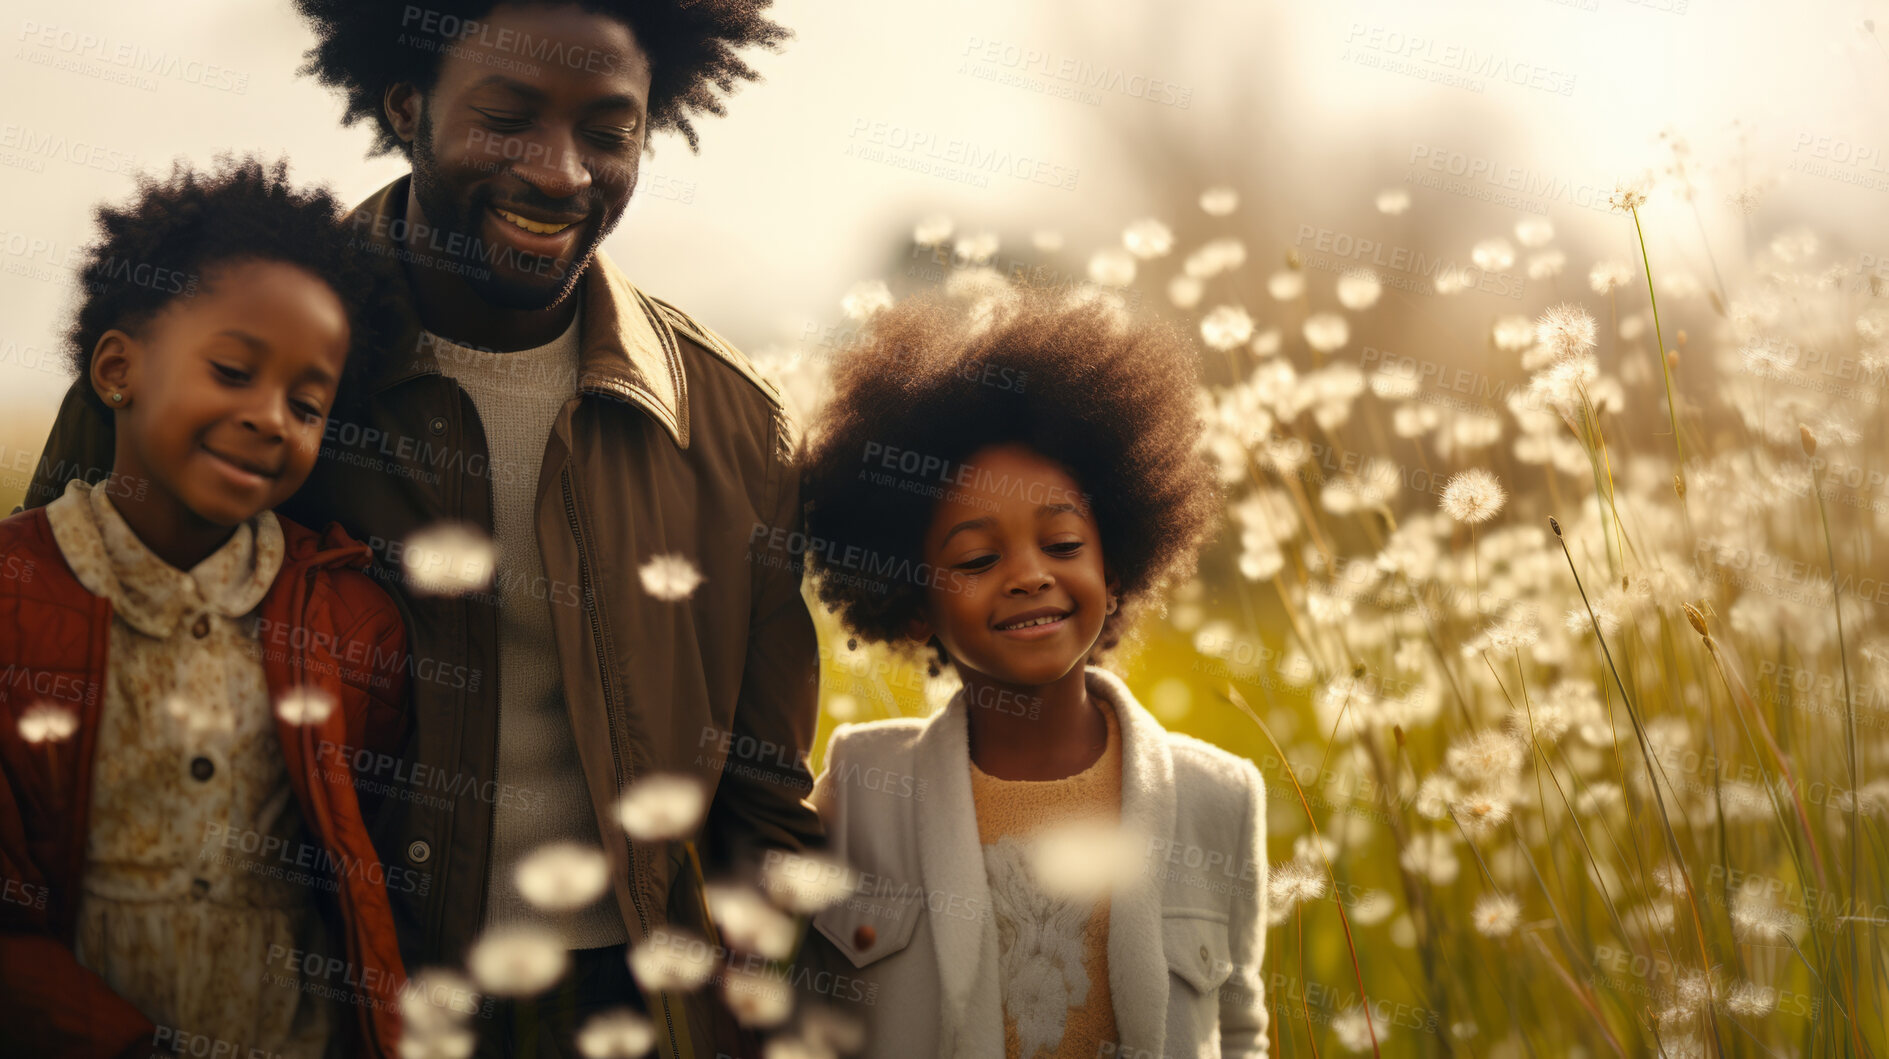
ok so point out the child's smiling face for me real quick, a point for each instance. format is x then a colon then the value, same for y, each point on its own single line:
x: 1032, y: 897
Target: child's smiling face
x: 227, y: 392
x: 1021, y: 543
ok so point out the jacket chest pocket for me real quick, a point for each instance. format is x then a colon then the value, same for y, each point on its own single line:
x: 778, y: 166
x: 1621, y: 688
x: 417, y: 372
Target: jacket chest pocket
x: 869, y: 928
x: 1197, y: 948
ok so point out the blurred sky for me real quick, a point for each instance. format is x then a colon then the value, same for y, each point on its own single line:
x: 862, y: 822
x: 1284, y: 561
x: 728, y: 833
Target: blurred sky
x: 1307, y: 108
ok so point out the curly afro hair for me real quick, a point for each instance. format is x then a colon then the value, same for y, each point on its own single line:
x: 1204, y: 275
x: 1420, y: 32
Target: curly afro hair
x: 168, y: 241
x: 363, y: 47
x: 1110, y: 398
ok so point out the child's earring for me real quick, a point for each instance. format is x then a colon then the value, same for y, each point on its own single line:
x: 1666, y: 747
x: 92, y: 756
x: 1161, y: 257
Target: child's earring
x: 118, y: 398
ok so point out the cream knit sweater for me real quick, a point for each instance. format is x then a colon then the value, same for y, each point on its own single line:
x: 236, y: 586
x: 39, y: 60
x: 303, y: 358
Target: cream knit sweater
x: 519, y: 395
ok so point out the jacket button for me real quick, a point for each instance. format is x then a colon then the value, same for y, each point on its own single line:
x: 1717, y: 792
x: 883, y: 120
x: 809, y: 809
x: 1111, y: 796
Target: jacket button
x: 202, y: 768
x: 418, y: 851
x: 1205, y: 956
x: 864, y: 937
x: 202, y: 628
x: 437, y: 425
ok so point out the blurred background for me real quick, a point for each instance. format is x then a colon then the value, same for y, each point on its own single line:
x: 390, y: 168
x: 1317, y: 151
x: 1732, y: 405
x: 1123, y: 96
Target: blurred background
x: 904, y: 143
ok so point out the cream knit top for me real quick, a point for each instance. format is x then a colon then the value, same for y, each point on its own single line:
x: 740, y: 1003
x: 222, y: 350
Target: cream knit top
x: 192, y: 902
x: 1052, y: 953
x: 518, y: 396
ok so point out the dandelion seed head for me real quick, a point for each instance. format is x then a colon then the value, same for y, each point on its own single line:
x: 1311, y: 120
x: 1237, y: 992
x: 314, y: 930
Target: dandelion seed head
x: 1534, y: 231
x: 671, y: 960
x: 1047, y: 240
x: 1473, y: 496
x: 1326, y: 332
x: 1496, y: 915
x: 1296, y: 882
x: 932, y: 230
x: 1547, y: 264
x: 45, y: 722
x: 1219, y: 201
x: 748, y: 923
x: 1493, y: 255
x: 1566, y: 331
x: 1393, y: 201
x: 306, y: 705
x: 616, y: 1034
x: 1226, y: 326
x: 864, y: 298
x: 1148, y: 239
x: 977, y: 249
x: 1359, y: 289
x: 1285, y: 284
x: 669, y: 577
x: 758, y: 999
x: 449, y: 559
x: 517, y: 960
x: 1608, y: 276
x: 662, y: 807
x: 563, y: 876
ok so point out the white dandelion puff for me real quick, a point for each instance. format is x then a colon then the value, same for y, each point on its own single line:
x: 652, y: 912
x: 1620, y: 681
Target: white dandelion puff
x: 1496, y: 914
x: 748, y: 923
x: 44, y: 722
x: 563, y: 876
x: 616, y: 1034
x: 517, y: 960
x: 932, y: 230
x: 662, y: 807
x: 1285, y: 284
x: 449, y: 559
x: 1473, y: 496
x: 1112, y: 268
x: 305, y: 705
x: 1393, y: 201
x: 1566, y: 331
x: 1533, y: 232
x: 672, y: 961
x: 1085, y: 859
x: 1226, y: 326
x: 1219, y: 201
x: 1296, y: 882
x: 1359, y: 289
x: 1493, y: 255
x: 669, y: 577
x: 1148, y: 239
x: 864, y: 298
x: 1046, y: 240
x: 1326, y: 332
x: 758, y: 999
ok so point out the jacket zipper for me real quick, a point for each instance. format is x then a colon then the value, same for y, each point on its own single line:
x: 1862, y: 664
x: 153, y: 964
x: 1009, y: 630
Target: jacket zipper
x: 617, y: 760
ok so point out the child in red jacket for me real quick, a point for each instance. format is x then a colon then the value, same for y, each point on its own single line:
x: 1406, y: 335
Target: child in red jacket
x: 182, y: 867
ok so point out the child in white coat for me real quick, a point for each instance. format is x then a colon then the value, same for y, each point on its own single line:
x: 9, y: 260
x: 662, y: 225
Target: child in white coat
x: 1044, y: 871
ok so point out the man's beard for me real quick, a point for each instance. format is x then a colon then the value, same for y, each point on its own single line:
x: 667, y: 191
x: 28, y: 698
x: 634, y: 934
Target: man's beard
x: 479, y: 257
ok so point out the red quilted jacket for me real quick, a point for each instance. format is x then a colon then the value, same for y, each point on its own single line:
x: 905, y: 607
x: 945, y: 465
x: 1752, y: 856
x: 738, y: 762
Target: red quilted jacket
x: 344, y: 636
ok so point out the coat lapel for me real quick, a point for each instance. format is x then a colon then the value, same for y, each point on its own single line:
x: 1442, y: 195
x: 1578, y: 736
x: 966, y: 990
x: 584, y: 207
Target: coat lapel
x: 1137, y: 964
x: 957, y: 894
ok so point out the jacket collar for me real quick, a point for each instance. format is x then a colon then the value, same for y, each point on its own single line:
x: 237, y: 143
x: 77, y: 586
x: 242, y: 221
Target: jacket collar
x: 951, y: 858
x: 151, y: 595
x: 627, y: 350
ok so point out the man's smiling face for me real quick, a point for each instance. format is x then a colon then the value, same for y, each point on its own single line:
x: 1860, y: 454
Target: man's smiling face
x: 525, y: 149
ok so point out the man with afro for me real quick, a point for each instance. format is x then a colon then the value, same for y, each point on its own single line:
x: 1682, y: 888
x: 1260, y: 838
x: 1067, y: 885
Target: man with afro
x: 617, y: 457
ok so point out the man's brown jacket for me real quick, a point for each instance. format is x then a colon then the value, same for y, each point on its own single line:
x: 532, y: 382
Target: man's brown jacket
x: 673, y: 445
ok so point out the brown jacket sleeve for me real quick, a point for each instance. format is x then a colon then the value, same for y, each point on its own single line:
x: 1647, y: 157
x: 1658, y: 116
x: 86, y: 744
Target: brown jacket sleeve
x: 80, y: 446
x: 50, y: 1004
x: 762, y: 805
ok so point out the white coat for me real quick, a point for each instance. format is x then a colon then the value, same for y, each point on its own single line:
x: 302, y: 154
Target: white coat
x: 1187, y: 934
